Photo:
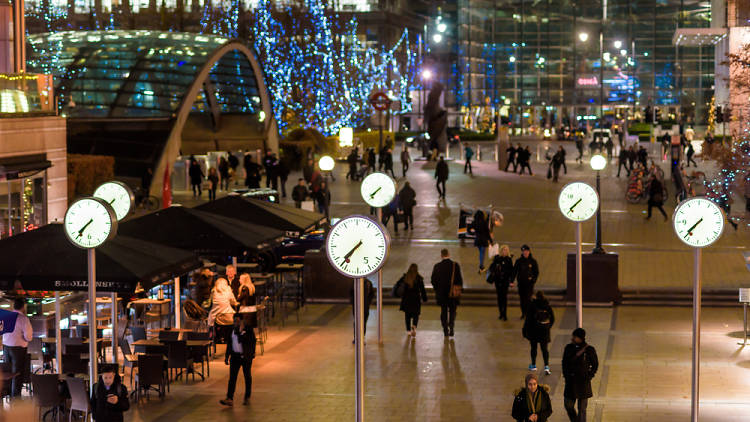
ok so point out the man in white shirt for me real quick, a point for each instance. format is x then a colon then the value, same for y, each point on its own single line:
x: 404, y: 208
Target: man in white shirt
x: 15, y: 343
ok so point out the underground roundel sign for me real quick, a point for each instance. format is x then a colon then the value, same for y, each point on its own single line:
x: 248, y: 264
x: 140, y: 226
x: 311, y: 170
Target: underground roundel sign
x: 380, y: 101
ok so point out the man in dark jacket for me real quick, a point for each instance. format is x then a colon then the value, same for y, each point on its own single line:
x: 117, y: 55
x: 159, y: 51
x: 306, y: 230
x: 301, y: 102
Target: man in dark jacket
x: 511, y: 158
x: 579, y: 365
x: 109, y: 398
x: 353, y: 160
x: 445, y: 274
x: 441, y: 174
x: 299, y: 193
x: 408, y: 199
x: 526, y: 271
x: 622, y: 161
x: 524, y: 156
x: 270, y: 164
x: 240, y: 354
x: 252, y: 172
x: 388, y: 162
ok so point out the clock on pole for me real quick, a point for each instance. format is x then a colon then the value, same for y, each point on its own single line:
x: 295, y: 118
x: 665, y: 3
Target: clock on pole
x: 378, y: 189
x: 357, y: 247
x: 698, y: 222
x: 118, y: 195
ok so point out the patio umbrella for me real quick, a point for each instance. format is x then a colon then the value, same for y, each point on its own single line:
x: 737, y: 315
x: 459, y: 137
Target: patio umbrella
x: 44, y: 259
x: 201, y: 232
x: 266, y: 213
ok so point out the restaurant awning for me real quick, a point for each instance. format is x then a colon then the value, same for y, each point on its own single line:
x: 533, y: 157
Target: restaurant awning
x: 265, y: 213
x: 23, y: 165
x: 201, y: 232
x: 44, y: 259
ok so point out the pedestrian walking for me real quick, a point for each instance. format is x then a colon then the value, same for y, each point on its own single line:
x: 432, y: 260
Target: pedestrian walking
x: 536, y: 329
x: 213, y: 183
x: 233, y: 164
x: 352, y: 159
x: 410, y: 288
x: 482, y: 235
x: 391, y: 211
x: 388, y: 162
x: 579, y: 147
x: 109, y: 398
x: 408, y: 200
x: 526, y: 271
x: 283, y: 171
x: 632, y: 156
x: 299, y: 193
x: 222, y: 310
x: 557, y: 161
x: 622, y: 161
x: 405, y: 160
x: 524, y: 156
x: 689, y: 155
x: 240, y: 354
x: 269, y: 164
x: 368, y: 293
x: 579, y: 365
x: 468, y: 155
x: 656, y: 196
x: 609, y: 145
x: 252, y: 172
x: 381, y: 158
x: 500, y: 274
x: 223, y: 173
x: 563, y: 153
x: 643, y: 156
x: 15, y: 344
x: 511, y: 158
x: 441, y: 174
x: 447, y: 282
x: 196, y: 176
x: 323, y: 198
x: 532, y: 403
x: 371, y: 161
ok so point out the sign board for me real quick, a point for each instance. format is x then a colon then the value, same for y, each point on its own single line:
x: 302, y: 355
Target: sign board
x: 744, y: 295
x: 380, y: 101
x: 588, y: 81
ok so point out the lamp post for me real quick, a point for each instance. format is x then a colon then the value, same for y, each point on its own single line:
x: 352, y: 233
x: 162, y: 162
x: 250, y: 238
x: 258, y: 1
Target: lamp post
x: 326, y: 165
x: 583, y: 37
x: 598, y: 162
x: 426, y: 76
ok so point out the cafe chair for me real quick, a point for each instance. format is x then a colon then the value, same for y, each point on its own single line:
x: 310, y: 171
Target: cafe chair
x: 138, y: 333
x: 38, y: 357
x: 169, y: 335
x: 46, y: 393
x: 178, y: 358
x: 150, y: 376
x: 67, y: 341
x: 130, y: 359
x: 74, y: 364
x: 79, y: 400
x: 200, y: 354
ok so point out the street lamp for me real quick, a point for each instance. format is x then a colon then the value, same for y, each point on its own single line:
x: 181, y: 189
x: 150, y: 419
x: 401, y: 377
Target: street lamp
x: 598, y: 162
x: 441, y: 27
x: 346, y: 137
x: 583, y: 36
x: 437, y: 38
x: 618, y: 44
x: 326, y: 164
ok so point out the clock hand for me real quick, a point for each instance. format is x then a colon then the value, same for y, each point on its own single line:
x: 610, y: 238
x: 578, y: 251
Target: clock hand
x: 574, y: 205
x: 80, y: 232
x: 372, y: 195
x: 690, y: 230
x: 346, y: 257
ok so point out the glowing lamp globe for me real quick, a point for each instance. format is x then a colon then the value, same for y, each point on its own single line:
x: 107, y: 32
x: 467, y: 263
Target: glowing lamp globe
x: 346, y: 137
x: 326, y: 163
x: 598, y: 162
x: 583, y: 36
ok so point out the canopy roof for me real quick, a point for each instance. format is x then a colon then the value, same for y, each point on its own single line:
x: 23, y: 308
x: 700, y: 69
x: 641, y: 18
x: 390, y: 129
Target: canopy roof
x: 44, y: 259
x: 269, y: 214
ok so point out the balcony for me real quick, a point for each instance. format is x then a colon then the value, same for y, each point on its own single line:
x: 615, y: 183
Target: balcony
x: 26, y: 94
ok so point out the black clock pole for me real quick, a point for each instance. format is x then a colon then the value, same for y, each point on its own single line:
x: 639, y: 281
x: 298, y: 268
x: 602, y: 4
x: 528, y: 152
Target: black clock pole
x: 92, y: 318
x: 359, y: 340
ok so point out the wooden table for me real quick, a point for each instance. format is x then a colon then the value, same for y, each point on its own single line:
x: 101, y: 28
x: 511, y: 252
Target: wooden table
x: 151, y: 302
x: 153, y: 342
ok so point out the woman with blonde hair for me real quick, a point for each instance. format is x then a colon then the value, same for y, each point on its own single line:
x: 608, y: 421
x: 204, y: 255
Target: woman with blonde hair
x: 222, y: 309
x: 410, y: 287
x: 246, y: 300
x: 501, y: 275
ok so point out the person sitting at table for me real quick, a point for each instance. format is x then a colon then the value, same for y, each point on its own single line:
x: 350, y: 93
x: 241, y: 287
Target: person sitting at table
x: 109, y: 399
x: 222, y: 308
x: 240, y: 353
x: 246, y: 300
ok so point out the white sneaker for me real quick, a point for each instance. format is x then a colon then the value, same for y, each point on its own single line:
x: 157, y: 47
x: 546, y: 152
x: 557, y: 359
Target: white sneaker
x: 546, y: 370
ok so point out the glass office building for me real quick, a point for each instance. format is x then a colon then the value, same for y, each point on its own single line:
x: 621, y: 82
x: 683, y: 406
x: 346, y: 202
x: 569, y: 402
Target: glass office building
x: 549, y: 63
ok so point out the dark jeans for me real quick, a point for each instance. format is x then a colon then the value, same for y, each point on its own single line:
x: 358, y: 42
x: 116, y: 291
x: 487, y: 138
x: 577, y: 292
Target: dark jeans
x: 467, y: 165
x: 565, y: 167
x: 387, y: 218
x: 525, y: 292
x: 236, y: 361
x: 690, y: 160
x: 224, y: 181
x: 620, y: 166
x: 16, y: 356
x: 502, y: 298
x: 511, y: 161
x: 658, y: 205
x: 212, y: 194
x: 570, y: 408
x: 525, y: 165
x: 448, y: 315
x: 282, y: 182
x: 408, y: 218
x: 196, y: 189
x: 411, y: 319
x: 441, y: 192
x: 404, y: 167
x: 545, y: 352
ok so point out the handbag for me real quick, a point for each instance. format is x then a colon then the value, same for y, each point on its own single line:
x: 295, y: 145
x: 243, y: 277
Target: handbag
x: 308, y: 205
x: 456, y: 289
x: 493, y: 250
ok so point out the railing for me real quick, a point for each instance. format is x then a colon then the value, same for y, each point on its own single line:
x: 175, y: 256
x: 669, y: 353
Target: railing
x: 24, y: 94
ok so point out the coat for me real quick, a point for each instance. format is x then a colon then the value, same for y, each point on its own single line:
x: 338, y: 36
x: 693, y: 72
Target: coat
x: 407, y: 198
x: 299, y: 193
x: 441, y: 171
x: 656, y: 192
x: 532, y: 329
x: 441, y: 280
x: 196, y: 174
x: 221, y: 303
x: 412, y: 297
x: 501, y: 271
x: 521, y: 406
x: 103, y: 411
x: 481, y: 229
x: 578, y: 370
x: 247, y: 339
x: 526, y: 271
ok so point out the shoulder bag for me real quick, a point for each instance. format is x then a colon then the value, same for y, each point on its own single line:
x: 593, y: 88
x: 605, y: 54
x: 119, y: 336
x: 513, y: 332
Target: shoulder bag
x: 456, y: 289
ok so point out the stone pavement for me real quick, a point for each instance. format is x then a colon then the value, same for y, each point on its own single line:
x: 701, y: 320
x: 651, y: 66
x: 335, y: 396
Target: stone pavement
x: 651, y: 256
x: 306, y: 373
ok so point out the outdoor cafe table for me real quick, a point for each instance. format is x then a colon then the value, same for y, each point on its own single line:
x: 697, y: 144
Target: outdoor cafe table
x: 156, y: 343
x: 102, y: 344
x: 144, y: 302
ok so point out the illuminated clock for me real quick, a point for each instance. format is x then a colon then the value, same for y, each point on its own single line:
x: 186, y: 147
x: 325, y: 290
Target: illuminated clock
x: 698, y: 222
x: 578, y: 201
x: 378, y: 190
x: 89, y: 222
x: 357, y: 246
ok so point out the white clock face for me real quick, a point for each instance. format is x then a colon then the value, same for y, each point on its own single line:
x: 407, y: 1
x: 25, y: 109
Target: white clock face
x: 357, y: 246
x: 118, y: 195
x: 89, y: 222
x: 378, y: 190
x: 698, y: 222
x: 578, y: 201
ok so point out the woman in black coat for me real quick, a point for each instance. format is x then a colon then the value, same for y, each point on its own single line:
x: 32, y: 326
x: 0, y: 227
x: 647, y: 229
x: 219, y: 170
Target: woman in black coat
x: 482, y: 234
x: 410, y: 287
x: 656, y: 196
x: 501, y: 275
x: 532, y: 403
x: 536, y: 328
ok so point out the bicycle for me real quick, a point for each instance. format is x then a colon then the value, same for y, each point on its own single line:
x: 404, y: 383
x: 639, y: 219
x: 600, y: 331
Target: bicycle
x: 145, y: 201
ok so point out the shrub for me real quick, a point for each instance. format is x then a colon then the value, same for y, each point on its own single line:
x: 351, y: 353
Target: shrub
x: 86, y: 172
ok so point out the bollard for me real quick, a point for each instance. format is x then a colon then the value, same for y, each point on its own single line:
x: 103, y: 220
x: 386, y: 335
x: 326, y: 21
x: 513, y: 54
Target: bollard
x: 497, y: 153
x: 479, y: 152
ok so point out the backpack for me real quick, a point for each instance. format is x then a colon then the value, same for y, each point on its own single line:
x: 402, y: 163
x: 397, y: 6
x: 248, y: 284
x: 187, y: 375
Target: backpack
x: 543, y: 317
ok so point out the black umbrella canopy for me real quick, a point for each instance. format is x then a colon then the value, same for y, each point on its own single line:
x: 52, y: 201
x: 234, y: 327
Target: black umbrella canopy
x: 200, y: 232
x: 44, y: 259
x: 265, y: 213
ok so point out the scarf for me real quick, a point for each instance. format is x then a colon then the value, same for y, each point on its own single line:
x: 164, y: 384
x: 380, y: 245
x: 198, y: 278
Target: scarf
x: 534, y: 401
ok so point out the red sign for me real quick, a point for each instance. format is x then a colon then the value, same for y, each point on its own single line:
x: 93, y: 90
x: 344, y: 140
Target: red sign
x: 380, y: 101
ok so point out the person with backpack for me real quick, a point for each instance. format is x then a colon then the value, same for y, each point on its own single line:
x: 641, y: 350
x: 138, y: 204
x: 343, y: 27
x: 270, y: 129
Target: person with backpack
x: 410, y: 288
x: 109, y: 398
x: 536, y: 329
x: 501, y: 275
x: 532, y: 403
x: 525, y: 271
x: 579, y: 365
x: 468, y: 155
